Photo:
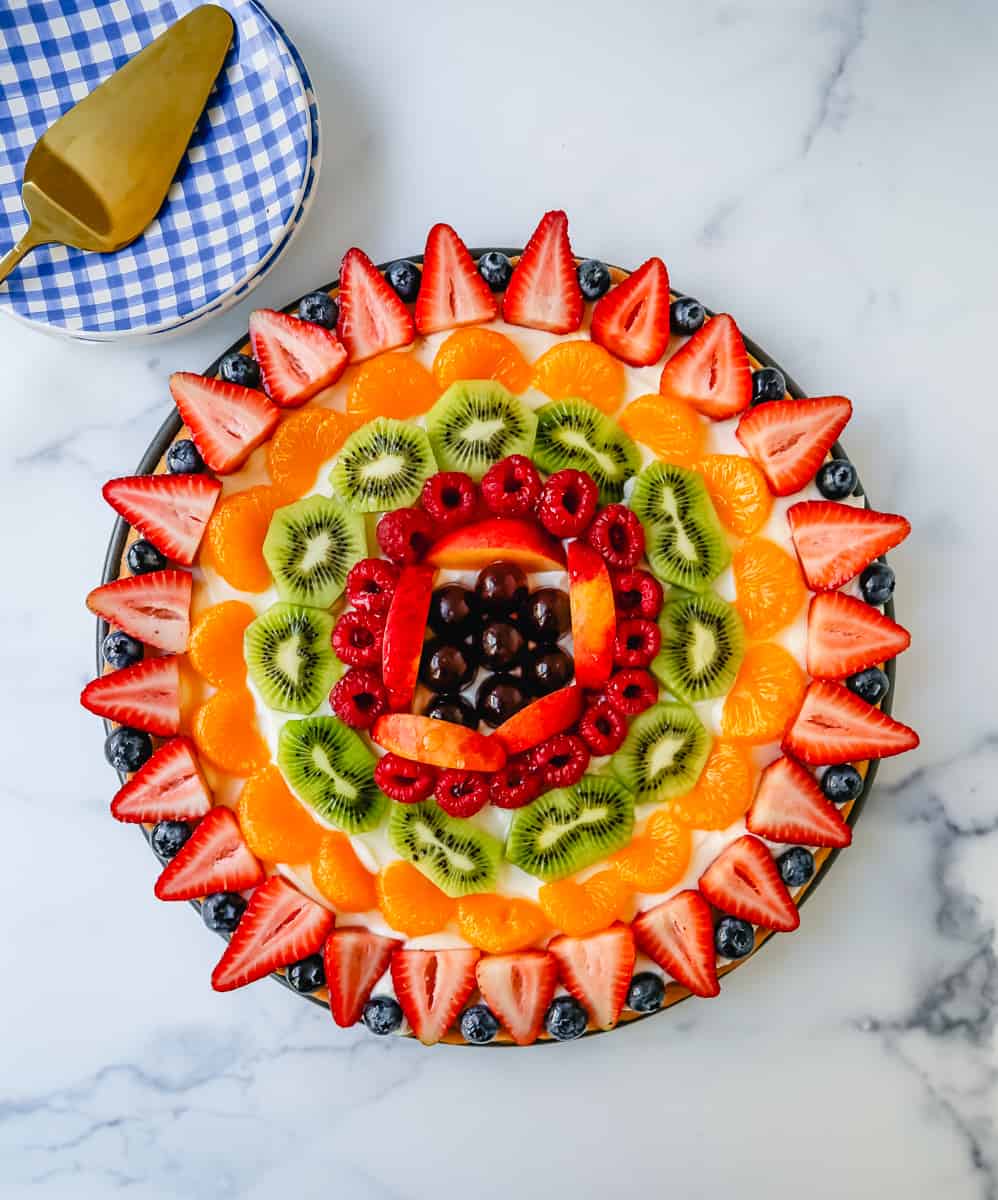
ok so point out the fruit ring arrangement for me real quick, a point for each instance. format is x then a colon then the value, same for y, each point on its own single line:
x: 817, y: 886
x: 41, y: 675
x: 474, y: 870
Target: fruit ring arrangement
x: 510, y: 677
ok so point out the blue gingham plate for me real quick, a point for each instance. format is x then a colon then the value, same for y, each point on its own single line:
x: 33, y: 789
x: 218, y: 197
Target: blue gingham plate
x: 237, y: 194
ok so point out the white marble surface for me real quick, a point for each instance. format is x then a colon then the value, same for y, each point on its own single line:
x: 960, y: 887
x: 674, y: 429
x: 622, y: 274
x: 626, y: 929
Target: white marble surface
x: 824, y: 170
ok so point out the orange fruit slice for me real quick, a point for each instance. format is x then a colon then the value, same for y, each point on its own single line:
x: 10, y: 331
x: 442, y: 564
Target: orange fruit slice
x: 765, y: 697
x: 410, y: 902
x: 582, y: 370
x: 303, y: 441
x: 769, y: 587
x: 215, y: 647
x: 275, y: 825
x: 234, y: 537
x: 739, y: 490
x: 656, y: 859
x: 723, y: 793
x: 391, y: 385
x: 481, y: 354
x: 500, y: 924
x: 672, y: 429
x: 341, y: 877
x: 581, y: 908
x: 224, y: 730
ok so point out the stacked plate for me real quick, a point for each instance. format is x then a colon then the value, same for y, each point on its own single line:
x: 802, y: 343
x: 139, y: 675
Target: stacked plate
x: 240, y: 195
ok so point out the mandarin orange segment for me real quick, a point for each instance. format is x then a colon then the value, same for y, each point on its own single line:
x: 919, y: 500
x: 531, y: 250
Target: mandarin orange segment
x: 411, y: 903
x: 583, y: 370
x: 739, y: 490
x: 581, y: 908
x: 500, y: 924
x: 215, y: 648
x: 341, y: 877
x: 234, y: 537
x: 769, y: 586
x: 481, y: 354
x: 722, y: 794
x: 303, y: 441
x: 672, y: 429
x: 225, y: 732
x: 392, y: 385
x: 765, y: 697
x: 275, y: 825
x: 658, y: 858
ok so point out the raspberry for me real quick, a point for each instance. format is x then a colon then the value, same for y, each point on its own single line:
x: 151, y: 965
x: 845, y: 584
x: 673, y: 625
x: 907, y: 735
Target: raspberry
x: 631, y: 691
x: 637, y: 642
x: 462, y: 793
x: 561, y: 760
x: 357, y: 639
x: 359, y: 698
x: 512, y: 487
x: 371, y: 585
x: 636, y: 594
x: 618, y: 535
x: 450, y: 498
x: 516, y: 784
x: 405, y: 781
x: 567, y: 503
x: 602, y: 728
x: 405, y: 535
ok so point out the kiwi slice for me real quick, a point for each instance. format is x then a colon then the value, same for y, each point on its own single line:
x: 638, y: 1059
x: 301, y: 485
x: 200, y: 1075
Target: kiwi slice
x: 684, y: 540
x: 290, y: 658
x: 702, y: 646
x: 458, y: 857
x: 383, y: 465
x: 571, y: 433
x: 477, y: 422
x: 310, y: 546
x: 331, y: 769
x: 571, y: 828
x: 663, y: 754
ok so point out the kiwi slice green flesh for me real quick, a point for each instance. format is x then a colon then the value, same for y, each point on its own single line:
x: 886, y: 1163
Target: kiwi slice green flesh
x: 574, y: 434
x: 383, y: 465
x: 456, y: 855
x: 477, y: 422
x: 703, y: 642
x: 571, y: 828
x: 685, y: 543
x: 329, y: 767
x: 290, y: 658
x: 310, y: 547
x: 663, y: 754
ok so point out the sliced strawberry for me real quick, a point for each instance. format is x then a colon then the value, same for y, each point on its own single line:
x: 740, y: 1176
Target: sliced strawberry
x: 711, y: 372
x: 679, y: 936
x: 790, y: 438
x: 372, y: 317
x: 518, y: 988
x: 227, y: 422
x: 844, y: 636
x: 170, y: 787
x: 632, y: 319
x: 297, y: 358
x: 789, y: 806
x: 451, y: 291
x: 437, y: 743
x: 355, y: 960
x: 544, y: 291
x: 432, y: 986
x: 280, y: 926
x: 213, y: 859
x: 510, y: 538
x: 146, y: 696
x: 405, y: 625
x: 834, y: 726
x: 835, y: 541
x: 541, y: 719
x: 155, y: 608
x: 745, y: 882
x: 170, y: 510
x: 594, y: 618
x: 597, y: 970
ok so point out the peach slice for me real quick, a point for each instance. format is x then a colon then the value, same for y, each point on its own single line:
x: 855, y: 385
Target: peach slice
x: 540, y: 720
x: 438, y: 743
x: 475, y: 546
x: 590, y: 595
x: 403, y: 638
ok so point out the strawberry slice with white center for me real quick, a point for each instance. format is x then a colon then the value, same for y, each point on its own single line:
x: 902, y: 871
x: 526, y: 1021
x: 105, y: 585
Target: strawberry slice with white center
x: 844, y: 636
x: 745, y: 882
x: 789, y: 806
x: 372, y: 317
x: 145, y: 696
x: 155, y: 608
x: 711, y: 371
x: 544, y: 292
x: 597, y: 970
x: 834, y: 542
x: 632, y: 319
x: 432, y: 987
x: 835, y: 726
x: 280, y: 926
x: 790, y: 438
x: 213, y: 859
x: 355, y: 959
x: 169, y: 787
x: 227, y: 421
x: 518, y: 988
x: 679, y: 936
x: 171, y: 511
x: 297, y: 358
x: 451, y: 292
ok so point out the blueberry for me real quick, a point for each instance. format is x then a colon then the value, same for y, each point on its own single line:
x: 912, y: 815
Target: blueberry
x: 646, y: 993
x: 223, y: 911
x: 479, y: 1025
x: 594, y: 278
x: 768, y: 384
x: 319, y: 308
x: 169, y: 836
x: 796, y: 866
x: 686, y: 316
x: 836, y: 479
x: 842, y: 783
x: 183, y: 458
x: 127, y: 749
x: 565, y: 1019
x: 870, y: 685
x: 307, y: 975
x: 404, y: 279
x: 382, y: 1015
x: 144, y: 557
x: 241, y: 369
x: 120, y: 650
x: 496, y: 269
x: 733, y: 938
x: 877, y: 583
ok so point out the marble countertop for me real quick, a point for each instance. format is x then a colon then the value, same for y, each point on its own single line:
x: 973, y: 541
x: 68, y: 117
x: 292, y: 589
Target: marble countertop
x: 824, y: 171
